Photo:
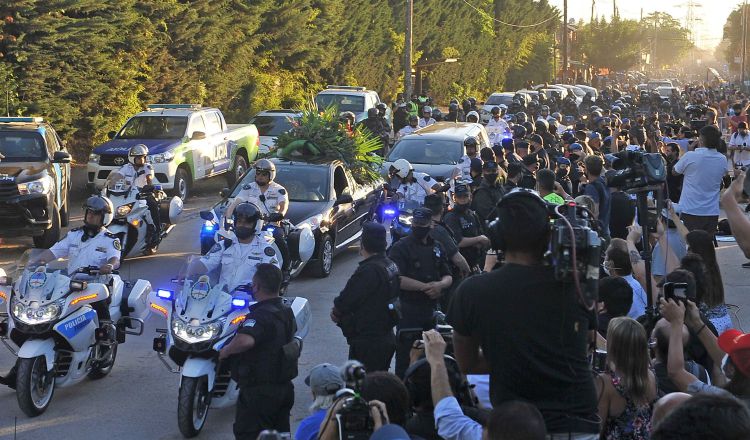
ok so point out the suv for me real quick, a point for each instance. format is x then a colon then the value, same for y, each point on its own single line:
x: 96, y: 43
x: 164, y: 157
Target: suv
x: 350, y: 99
x: 34, y: 181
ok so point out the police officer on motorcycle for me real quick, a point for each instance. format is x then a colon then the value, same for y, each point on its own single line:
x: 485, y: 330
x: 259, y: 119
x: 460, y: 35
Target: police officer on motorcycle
x: 411, y: 186
x: 263, y: 357
x: 425, y: 274
x: 273, y: 201
x: 238, y: 260
x: 139, y: 173
x: 365, y: 309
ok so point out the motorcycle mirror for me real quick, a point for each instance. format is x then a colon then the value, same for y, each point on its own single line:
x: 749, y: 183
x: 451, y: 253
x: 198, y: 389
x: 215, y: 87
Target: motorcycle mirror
x: 207, y: 215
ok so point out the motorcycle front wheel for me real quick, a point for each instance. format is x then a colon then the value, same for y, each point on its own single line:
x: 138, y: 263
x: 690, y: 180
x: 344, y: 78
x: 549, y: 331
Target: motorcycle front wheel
x: 192, y: 405
x: 34, y: 385
x: 103, y: 367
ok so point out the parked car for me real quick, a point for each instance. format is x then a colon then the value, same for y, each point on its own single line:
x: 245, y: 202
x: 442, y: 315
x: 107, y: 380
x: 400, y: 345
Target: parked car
x: 350, y: 99
x: 34, y: 181
x: 272, y: 123
x: 436, y: 149
x: 495, y: 100
x: 186, y: 143
x: 577, y: 91
x: 656, y: 83
x: 589, y: 89
x: 323, y: 196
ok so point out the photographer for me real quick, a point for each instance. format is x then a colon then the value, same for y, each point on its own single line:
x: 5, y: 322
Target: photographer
x: 704, y: 170
x: 324, y: 381
x: 362, y: 308
x: 739, y: 145
x: 494, y: 325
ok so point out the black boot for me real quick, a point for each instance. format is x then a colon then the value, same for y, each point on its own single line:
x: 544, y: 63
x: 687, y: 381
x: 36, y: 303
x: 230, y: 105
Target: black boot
x: 10, y: 378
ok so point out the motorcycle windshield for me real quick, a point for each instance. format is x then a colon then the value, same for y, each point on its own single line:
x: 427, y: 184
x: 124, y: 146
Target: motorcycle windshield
x: 41, y: 277
x: 407, y: 206
x: 117, y: 184
x: 201, y: 297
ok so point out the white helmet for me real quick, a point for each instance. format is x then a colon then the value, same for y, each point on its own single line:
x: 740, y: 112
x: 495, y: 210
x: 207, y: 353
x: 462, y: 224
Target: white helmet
x: 99, y: 205
x: 427, y: 109
x: 472, y: 113
x: 402, y: 167
x: 135, y: 151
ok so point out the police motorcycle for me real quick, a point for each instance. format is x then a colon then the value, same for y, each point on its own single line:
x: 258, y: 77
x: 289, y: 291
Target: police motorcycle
x: 497, y: 134
x: 54, y: 331
x: 132, y: 216
x: 203, y: 316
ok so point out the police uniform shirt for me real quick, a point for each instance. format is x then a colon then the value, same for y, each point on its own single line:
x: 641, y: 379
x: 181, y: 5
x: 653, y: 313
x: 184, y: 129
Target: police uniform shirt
x: 139, y: 177
x: 275, y: 195
x: 258, y: 325
x: 416, y: 191
x: 425, y: 122
x: 421, y: 262
x: 238, y: 260
x: 497, y: 126
x: 463, y: 168
x: 465, y: 225
x: 93, y: 251
x: 406, y: 130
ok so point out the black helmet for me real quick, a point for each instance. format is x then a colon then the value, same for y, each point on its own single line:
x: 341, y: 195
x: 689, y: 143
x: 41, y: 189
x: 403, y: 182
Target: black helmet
x: 454, y: 101
x: 98, y: 205
x: 381, y: 106
x: 521, y: 116
x: 249, y: 212
x: 519, y: 131
x: 529, y: 127
x: 471, y: 142
x: 266, y: 165
x: 473, y: 101
x: 495, y: 110
x: 413, y: 118
x: 453, y: 107
x: 372, y: 112
x: 541, y: 126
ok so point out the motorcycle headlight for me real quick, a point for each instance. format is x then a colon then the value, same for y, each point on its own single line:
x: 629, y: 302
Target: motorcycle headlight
x: 313, y: 221
x: 93, y: 158
x: 40, y: 315
x: 18, y: 308
x: 196, y: 333
x: 124, y: 210
x: 161, y: 158
x: 41, y: 186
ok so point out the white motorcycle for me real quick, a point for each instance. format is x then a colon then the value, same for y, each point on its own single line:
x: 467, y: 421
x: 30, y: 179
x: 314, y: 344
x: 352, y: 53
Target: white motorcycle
x: 55, y: 332
x: 202, y: 317
x: 132, y: 217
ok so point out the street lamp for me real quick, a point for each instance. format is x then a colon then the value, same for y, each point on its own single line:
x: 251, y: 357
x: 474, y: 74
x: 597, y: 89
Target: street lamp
x: 425, y: 65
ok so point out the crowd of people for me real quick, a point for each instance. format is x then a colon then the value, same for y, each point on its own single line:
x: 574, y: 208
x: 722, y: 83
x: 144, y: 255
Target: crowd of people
x: 490, y: 343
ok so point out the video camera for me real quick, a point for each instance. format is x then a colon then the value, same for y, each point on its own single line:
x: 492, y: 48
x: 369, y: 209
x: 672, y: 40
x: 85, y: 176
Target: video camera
x: 636, y: 169
x: 354, y: 418
x: 575, y: 250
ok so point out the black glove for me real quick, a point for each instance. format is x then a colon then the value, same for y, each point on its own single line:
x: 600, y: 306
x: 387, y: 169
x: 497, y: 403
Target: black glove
x: 275, y: 217
x: 147, y: 188
x: 445, y: 187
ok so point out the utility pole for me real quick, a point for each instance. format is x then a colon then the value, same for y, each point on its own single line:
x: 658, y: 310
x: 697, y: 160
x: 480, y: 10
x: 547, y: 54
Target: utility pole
x: 593, y: 4
x: 565, y: 42
x: 614, y: 9
x: 744, y: 45
x: 407, y: 50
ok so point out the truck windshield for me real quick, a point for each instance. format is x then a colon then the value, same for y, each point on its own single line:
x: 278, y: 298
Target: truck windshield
x: 154, y: 127
x: 22, y: 146
x: 499, y: 99
x: 272, y: 125
x: 345, y: 103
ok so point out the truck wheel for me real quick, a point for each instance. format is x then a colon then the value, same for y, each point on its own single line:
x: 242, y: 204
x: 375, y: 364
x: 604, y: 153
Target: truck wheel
x: 240, y: 167
x: 51, y: 235
x: 181, y: 184
x: 192, y: 405
x: 65, y: 212
x: 34, y: 385
x: 323, y: 257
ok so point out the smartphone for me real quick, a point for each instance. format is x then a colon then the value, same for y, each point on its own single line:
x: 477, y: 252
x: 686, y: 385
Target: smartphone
x: 675, y: 291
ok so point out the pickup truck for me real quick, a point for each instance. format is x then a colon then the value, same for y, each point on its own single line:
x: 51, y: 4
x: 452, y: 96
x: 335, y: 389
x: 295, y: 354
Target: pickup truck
x: 186, y: 143
x: 34, y: 180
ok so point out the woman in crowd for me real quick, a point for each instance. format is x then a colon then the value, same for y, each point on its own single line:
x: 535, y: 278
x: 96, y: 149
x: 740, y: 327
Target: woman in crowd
x: 711, y: 299
x: 627, y: 391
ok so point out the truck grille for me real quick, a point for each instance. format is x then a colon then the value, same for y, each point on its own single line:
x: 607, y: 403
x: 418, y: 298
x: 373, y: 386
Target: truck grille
x: 9, y: 212
x: 8, y: 190
x: 108, y: 160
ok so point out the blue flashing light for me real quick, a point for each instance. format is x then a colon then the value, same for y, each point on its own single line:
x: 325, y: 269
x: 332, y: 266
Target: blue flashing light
x: 210, y: 227
x: 389, y: 212
x: 165, y: 294
x: 270, y: 229
x: 239, y: 303
x: 21, y: 119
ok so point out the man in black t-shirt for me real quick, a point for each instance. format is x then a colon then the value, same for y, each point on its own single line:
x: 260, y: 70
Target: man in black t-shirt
x: 532, y: 330
x: 466, y: 227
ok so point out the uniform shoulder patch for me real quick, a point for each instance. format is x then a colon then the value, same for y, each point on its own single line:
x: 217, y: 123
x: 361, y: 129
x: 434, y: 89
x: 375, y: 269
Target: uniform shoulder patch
x: 215, y: 248
x: 116, y: 244
x: 282, y: 191
x: 246, y: 186
x: 227, y: 243
x: 269, y: 251
x: 426, y: 178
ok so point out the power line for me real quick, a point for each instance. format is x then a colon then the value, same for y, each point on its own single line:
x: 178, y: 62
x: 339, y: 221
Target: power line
x: 507, y: 24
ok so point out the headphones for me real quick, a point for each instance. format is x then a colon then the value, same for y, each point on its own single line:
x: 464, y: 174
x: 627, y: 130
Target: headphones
x: 495, y: 229
x: 458, y: 381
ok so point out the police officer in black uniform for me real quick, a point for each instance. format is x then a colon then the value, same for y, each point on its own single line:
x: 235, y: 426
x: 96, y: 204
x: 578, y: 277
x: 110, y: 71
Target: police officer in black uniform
x: 490, y: 192
x: 425, y: 274
x: 466, y: 227
x: 365, y: 309
x: 261, y: 359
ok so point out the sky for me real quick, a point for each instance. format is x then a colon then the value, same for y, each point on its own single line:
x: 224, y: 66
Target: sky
x: 708, y: 30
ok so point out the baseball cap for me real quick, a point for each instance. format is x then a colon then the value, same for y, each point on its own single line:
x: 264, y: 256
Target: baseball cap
x: 563, y: 160
x: 576, y: 146
x: 530, y: 159
x: 507, y: 143
x: 390, y: 432
x: 374, y: 237
x: 489, y: 165
x: 476, y: 164
x: 421, y: 217
x: 522, y: 144
x: 737, y: 345
x: 537, y: 139
x: 325, y: 379
x: 462, y: 189
x: 595, y: 135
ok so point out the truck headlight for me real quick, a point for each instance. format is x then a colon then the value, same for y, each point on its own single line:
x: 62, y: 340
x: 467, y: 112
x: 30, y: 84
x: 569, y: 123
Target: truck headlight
x: 41, y: 186
x: 161, y: 157
x: 93, y: 158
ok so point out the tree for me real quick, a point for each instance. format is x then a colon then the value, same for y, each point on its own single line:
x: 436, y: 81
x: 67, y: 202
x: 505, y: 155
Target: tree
x: 733, y: 37
x: 665, y: 38
x: 614, y: 45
